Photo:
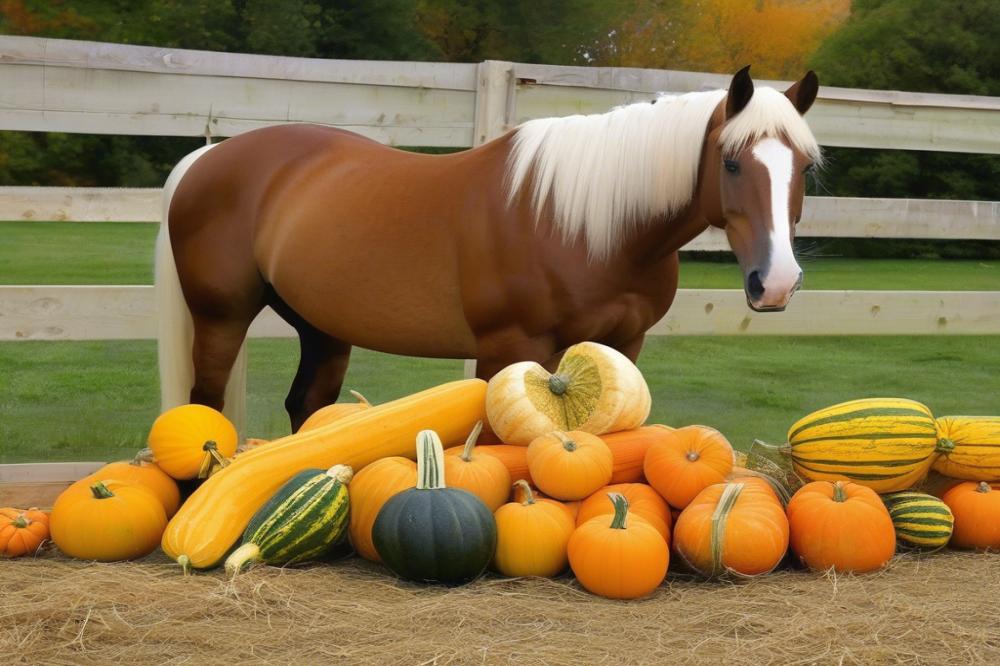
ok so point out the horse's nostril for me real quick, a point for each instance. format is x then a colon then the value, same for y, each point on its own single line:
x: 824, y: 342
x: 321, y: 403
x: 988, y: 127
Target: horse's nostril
x: 755, y: 288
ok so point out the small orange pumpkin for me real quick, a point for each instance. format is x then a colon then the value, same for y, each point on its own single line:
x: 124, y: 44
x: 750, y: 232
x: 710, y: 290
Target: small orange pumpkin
x: 643, y: 501
x: 733, y: 528
x: 686, y: 461
x: 187, y: 440
x: 370, y: 489
x: 108, y: 526
x: 629, y: 447
x: 22, y: 532
x: 569, y: 466
x: 532, y: 536
x: 976, y: 507
x: 480, y: 473
x: 336, y: 411
x: 619, y: 557
x: 147, y: 474
x: 842, y: 525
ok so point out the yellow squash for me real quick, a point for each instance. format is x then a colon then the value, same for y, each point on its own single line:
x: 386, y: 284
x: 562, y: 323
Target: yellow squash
x: 214, y: 517
x: 976, y: 452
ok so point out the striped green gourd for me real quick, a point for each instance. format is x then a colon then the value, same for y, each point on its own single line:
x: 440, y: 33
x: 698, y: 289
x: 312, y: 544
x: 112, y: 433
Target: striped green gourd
x: 887, y: 444
x: 300, y: 522
x: 921, y: 520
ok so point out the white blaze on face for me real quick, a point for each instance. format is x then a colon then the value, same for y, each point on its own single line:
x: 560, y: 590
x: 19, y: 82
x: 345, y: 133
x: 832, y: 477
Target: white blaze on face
x: 783, y: 271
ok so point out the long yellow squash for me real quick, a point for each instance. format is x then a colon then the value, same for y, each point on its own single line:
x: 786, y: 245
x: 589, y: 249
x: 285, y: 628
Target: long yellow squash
x: 973, y: 453
x: 214, y: 517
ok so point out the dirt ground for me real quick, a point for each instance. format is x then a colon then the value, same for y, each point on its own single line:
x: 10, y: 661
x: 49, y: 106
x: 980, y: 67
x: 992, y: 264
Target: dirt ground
x: 938, y: 609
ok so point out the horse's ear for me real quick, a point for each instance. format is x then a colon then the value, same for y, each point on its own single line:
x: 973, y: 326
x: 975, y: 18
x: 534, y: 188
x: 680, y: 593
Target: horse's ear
x: 803, y: 92
x: 740, y: 92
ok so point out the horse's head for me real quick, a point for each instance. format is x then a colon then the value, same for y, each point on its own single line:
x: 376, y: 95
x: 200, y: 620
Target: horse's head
x: 760, y: 150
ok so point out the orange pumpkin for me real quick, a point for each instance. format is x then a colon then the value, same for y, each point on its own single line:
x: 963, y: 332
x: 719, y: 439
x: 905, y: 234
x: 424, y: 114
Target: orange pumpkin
x: 370, y: 489
x: 976, y: 507
x: 147, y: 474
x: 840, y: 525
x: 336, y: 411
x: 187, y: 440
x: 514, y: 458
x: 569, y: 466
x: 480, y: 473
x: 733, y: 528
x: 643, y: 501
x: 123, y: 524
x: 532, y: 536
x: 22, y: 531
x: 620, y: 556
x: 628, y: 448
x: 686, y: 461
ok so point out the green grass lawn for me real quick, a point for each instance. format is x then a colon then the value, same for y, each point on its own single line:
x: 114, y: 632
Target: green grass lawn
x: 96, y: 400
x: 115, y: 253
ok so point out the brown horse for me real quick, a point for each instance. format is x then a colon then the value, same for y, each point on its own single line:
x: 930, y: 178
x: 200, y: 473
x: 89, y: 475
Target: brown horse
x: 562, y: 230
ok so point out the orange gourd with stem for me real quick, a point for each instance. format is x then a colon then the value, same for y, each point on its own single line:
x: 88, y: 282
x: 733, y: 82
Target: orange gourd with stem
x: 142, y: 471
x: 643, y: 501
x: 336, y: 411
x: 620, y: 556
x: 686, y: 461
x: 840, y: 525
x: 976, y: 508
x: 370, y: 489
x: 736, y: 528
x: 22, y: 531
x: 188, y: 440
x: 532, y: 536
x: 569, y: 466
x: 480, y: 473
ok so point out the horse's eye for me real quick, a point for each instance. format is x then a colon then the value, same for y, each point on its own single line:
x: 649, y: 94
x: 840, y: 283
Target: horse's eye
x: 732, y: 166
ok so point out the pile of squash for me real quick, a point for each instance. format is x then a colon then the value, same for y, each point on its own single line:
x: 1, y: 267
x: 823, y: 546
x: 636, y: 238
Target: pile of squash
x: 578, y: 482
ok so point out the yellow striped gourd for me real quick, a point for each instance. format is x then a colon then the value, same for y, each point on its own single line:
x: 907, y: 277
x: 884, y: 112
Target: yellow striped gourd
x: 887, y: 444
x: 976, y: 452
x: 922, y: 521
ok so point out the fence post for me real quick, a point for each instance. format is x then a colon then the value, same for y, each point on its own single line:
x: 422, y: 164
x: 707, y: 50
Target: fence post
x: 493, y: 117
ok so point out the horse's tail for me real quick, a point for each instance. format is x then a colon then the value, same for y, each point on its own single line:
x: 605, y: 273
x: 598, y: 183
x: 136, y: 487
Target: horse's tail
x: 175, y: 334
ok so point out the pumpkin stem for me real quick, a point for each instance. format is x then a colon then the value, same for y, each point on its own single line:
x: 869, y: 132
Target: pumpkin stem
x: 185, y: 563
x: 621, y: 511
x: 245, y: 554
x: 430, y: 461
x: 342, y: 473
x: 142, y: 456
x: 558, y: 384
x: 529, y: 497
x: 567, y: 443
x: 945, y: 445
x: 838, y: 492
x: 983, y: 487
x: 21, y: 522
x: 212, y: 456
x: 360, y: 398
x: 101, y: 491
x: 692, y: 456
x: 720, y: 516
x: 470, y: 443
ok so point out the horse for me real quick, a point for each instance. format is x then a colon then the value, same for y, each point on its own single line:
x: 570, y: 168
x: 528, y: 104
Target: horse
x: 561, y: 230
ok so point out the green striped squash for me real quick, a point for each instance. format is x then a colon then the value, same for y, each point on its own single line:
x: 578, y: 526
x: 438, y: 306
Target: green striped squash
x: 887, y: 444
x: 300, y: 522
x: 975, y: 455
x: 921, y: 520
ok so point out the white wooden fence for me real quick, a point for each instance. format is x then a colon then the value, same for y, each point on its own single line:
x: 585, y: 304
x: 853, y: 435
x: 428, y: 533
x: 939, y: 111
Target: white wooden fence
x: 72, y: 86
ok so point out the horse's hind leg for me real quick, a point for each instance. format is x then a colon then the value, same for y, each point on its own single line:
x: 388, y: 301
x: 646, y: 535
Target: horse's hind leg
x: 217, y: 342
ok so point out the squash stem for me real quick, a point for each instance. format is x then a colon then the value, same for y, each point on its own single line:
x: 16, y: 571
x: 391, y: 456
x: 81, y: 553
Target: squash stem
x: 185, y: 563
x: 212, y: 456
x: 360, y: 398
x: 692, y: 456
x: 983, y: 487
x: 342, y: 473
x: 944, y: 445
x: 430, y: 461
x: 567, y: 443
x: 529, y: 497
x: 20, y: 522
x: 101, y: 491
x: 245, y: 554
x: 470, y: 442
x: 142, y: 456
x: 558, y: 384
x: 838, y: 492
x: 720, y: 517
x: 621, y: 511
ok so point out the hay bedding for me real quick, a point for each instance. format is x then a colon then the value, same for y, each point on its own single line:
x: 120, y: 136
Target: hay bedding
x: 943, y: 609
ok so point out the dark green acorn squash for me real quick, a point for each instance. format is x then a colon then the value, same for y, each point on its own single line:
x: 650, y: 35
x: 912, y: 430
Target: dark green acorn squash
x: 431, y: 533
